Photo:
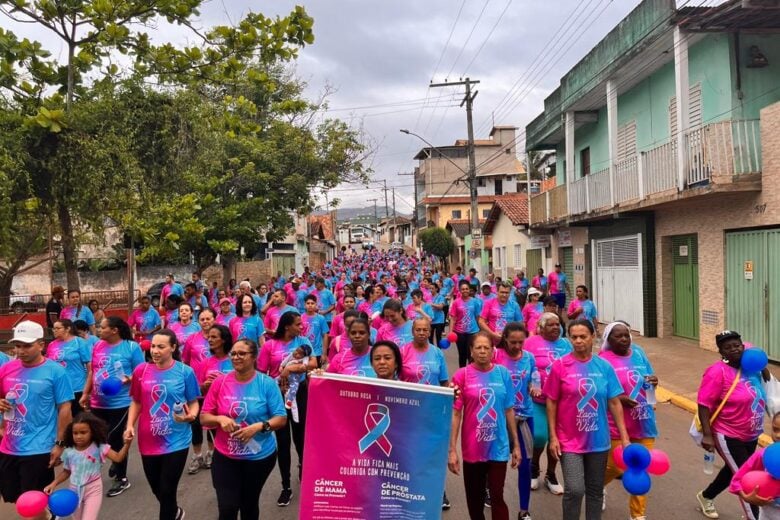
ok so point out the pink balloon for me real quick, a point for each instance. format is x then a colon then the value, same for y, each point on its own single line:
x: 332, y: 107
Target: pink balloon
x: 659, y: 462
x: 768, y: 487
x: 31, y: 503
x: 617, y: 456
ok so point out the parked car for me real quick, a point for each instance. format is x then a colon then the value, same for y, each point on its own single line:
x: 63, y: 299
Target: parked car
x: 20, y: 303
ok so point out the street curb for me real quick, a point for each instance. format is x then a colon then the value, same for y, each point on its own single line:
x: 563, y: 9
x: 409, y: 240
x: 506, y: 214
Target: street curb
x: 665, y: 396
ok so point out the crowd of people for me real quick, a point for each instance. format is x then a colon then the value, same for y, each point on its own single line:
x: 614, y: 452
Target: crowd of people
x: 216, y: 378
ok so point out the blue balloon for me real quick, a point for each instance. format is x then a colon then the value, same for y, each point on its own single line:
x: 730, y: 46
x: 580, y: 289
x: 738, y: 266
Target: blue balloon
x: 63, y: 502
x: 111, y: 386
x: 636, y: 482
x: 771, y: 460
x: 637, y: 457
x: 754, y: 360
x: 444, y: 343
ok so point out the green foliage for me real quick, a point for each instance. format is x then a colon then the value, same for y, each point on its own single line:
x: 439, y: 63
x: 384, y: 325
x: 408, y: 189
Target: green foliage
x: 436, y: 241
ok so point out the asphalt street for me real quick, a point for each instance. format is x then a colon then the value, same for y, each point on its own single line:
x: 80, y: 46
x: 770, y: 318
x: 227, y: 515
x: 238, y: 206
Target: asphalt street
x: 672, y: 495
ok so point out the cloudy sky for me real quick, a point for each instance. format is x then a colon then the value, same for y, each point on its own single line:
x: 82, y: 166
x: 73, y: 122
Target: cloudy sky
x: 380, y: 55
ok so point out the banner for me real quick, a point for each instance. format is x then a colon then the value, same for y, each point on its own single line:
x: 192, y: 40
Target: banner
x: 374, y: 449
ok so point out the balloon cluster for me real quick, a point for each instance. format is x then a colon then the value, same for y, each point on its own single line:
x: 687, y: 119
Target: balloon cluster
x: 445, y: 343
x: 638, y: 463
x: 61, y: 503
x: 765, y: 483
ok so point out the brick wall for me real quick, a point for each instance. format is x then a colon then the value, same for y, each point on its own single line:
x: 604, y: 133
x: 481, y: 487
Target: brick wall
x: 710, y: 218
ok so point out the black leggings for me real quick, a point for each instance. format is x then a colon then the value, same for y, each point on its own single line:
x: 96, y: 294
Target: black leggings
x: 163, y: 473
x: 116, y: 418
x: 437, y: 331
x: 478, y: 476
x: 238, y: 484
x: 734, y: 453
x: 464, y: 343
x: 283, y: 437
x: 197, y: 431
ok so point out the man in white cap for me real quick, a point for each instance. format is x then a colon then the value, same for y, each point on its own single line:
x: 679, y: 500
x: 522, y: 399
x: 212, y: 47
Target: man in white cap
x: 36, y: 410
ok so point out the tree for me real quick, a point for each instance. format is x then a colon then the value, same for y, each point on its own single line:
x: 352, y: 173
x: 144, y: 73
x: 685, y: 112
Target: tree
x: 436, y: 241
x: 94, y: 33
x: 538, y: 160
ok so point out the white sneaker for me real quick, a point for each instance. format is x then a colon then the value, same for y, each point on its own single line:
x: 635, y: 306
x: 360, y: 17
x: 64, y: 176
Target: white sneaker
x: 553, y: 487
x: 535, y: 483
x: 604, y: 500
x: 706, y: 506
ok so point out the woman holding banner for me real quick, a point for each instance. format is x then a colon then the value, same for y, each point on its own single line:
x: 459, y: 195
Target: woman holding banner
x: 484, y: 409
x: 287, y: 337
x: 245, y: 406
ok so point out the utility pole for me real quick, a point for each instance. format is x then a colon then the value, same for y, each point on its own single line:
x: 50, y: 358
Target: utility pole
x: 376, y: 218
x: 414, y: 217
x: 387, y: 210
x: 468, y: 100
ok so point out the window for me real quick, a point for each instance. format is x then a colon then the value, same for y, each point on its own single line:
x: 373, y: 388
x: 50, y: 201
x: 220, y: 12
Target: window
x: 694, y: 109
x: 626, y: 141
x: 481, y: 182
x: 585, y: 161
x: 518, y: 258
x: 456, y: 214
x: 485, y: 213
x: 497, y: 257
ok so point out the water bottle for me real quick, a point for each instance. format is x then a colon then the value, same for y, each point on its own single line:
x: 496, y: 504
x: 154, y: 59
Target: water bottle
x: 253, y: 446
x: 536, y: 381
x: 119, y: 371
x: 709, y: 462
x: 650, y: 393
x: 178, y: 408
x: 8, y: 415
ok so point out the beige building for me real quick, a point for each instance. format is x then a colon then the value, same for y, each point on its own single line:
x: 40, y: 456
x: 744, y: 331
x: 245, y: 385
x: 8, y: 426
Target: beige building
x: 507, y: 225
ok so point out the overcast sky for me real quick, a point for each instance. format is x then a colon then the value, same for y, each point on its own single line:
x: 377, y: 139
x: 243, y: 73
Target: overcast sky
x: 380, y: 56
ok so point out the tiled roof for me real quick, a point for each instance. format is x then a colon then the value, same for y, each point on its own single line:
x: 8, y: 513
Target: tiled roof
x: 461, y: 227
x: 322, y: 221
x: 513, y: 205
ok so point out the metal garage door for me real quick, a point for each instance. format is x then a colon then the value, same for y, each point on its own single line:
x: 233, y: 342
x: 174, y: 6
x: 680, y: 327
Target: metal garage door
x: 617, y: 280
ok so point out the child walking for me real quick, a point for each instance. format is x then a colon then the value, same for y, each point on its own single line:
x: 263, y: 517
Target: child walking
x: 768, y: 507
x: 86, y: 441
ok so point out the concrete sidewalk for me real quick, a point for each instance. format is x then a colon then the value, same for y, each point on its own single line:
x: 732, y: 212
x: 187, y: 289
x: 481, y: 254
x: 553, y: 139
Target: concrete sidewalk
x: 679, y: 364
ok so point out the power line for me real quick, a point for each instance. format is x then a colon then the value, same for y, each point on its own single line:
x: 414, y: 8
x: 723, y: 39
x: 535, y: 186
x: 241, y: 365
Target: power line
x: 498, y: 21
x: 468, y: 39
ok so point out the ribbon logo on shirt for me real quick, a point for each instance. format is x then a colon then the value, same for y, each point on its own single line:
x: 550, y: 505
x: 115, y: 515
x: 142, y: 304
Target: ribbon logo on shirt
x: 587, y: 390
x: 758, y: 405
x: 377, y: 422
x: 239, y: 412
x: 159, y: 394
x: 517, y: 381
x: 636, y: 381
x: 422, y: 373
x: 487, y: 398
x: 21, y: 390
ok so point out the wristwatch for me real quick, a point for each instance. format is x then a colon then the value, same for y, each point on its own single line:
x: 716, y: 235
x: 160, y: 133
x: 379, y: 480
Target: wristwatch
x: 59, y: 444
x: 266, y: 427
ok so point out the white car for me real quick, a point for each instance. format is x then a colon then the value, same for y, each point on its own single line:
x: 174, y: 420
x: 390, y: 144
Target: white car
x: 397, y: 246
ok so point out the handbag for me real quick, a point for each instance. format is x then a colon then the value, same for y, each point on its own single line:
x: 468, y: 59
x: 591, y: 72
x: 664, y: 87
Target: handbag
x: 695, y: 431
x: 772, y: 391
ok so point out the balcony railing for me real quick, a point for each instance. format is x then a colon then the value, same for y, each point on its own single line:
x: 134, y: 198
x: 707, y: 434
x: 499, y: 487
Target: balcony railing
x: 719, y: 150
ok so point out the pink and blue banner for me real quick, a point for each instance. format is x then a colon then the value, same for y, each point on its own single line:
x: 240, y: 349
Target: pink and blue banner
x: 374, y: 449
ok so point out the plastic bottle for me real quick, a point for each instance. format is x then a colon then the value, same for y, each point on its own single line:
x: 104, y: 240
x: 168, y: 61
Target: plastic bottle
x: 9, y: 415
x: 650, y: 393
x: 253, y: 446
x: 178, y: 408
x: 536, y: 381
x: 709, y: 462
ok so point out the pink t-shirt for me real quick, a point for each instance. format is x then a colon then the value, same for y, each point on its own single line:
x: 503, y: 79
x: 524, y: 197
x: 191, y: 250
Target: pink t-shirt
x: 337, y: 327
x: 531, y: 314
x: 348, y: 363
x: 742, y: 417
x: 497, y: 315
x: 273, y: 353
x: 545, y: 352
x: 195, y: 353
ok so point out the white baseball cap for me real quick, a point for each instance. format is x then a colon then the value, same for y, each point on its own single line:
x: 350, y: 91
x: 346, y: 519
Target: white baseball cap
x: 27, y: 332
x: 533, y: 290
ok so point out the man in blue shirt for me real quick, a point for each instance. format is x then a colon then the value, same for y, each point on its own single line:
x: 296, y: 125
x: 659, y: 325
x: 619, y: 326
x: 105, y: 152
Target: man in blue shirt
x: 326, y: 301
x: 37, y: 409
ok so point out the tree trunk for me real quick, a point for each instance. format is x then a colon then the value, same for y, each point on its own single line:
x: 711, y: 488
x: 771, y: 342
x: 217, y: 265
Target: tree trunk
x: 68, y: 244
x: 5, y: 290
x: 228, y: 269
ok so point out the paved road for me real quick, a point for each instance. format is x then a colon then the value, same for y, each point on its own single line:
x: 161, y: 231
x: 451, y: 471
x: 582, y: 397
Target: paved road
x: 672, y: 496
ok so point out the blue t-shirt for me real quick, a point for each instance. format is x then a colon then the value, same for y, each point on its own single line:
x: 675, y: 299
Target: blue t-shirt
x: 438, y: 314
x: 447, y: 286
x: 300, y: 303
x: 39, y: 392
x: 314, y: 328
x: 521, y: 370
x: 74, y: 314
x: 4, y: 359
x: 73, y: 357
x: 113, y: 361
x: 258, y: 303
x: 325, y: 299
